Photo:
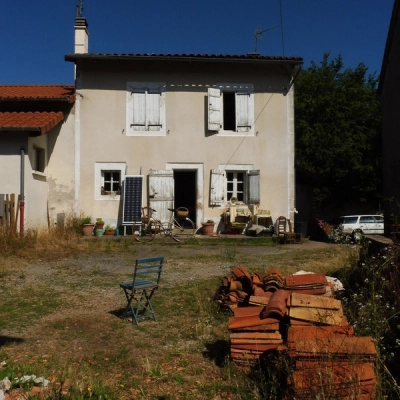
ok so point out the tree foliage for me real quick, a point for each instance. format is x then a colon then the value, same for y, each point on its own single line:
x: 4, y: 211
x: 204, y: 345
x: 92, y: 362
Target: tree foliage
x: 338, y: 131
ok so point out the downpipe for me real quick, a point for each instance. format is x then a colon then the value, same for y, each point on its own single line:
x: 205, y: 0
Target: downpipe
x: 22, y: 195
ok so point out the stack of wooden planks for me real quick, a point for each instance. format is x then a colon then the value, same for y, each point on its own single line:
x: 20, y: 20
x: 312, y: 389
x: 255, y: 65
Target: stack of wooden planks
x: 298, y: 316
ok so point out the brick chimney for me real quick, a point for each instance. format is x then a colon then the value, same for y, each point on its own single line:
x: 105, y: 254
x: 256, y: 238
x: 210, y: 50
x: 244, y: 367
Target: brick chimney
x: 81, y: 35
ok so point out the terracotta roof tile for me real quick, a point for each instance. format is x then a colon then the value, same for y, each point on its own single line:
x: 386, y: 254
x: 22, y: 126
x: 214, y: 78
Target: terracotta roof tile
x: 37, y: 93
x: 41, y: 122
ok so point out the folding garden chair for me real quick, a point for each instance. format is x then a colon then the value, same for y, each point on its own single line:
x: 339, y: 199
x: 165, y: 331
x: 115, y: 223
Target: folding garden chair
x: 140, y: 290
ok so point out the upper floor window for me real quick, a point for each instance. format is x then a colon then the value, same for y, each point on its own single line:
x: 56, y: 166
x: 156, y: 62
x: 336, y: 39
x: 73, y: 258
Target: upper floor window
x: 231, y: 109
x: 145, y: 114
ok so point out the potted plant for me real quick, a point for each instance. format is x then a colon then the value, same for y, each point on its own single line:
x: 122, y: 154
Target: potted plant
x: 208, y: 227
x: 109, y: 230
x: 99, y: 223
x: 87, y: 226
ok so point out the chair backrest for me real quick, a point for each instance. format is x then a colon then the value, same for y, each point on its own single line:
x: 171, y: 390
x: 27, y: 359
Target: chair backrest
x: 149, y: 269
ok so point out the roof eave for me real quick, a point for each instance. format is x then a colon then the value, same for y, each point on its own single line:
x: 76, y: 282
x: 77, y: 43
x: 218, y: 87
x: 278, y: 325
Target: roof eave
x: 73, y: 57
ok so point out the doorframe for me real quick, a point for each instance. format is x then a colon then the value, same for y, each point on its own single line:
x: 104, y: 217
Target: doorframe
x: 199, y: 169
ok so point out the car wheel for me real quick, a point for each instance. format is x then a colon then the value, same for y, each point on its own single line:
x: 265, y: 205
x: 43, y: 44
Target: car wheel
x: 357, y: 236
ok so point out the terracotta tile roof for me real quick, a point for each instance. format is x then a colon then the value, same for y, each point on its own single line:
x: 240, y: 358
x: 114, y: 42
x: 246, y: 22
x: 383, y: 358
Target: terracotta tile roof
x: 37, y: 122
x: 64, y: 93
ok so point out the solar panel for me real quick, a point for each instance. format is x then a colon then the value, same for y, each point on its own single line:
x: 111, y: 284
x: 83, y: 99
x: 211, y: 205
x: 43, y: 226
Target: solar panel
x: 132, y: 208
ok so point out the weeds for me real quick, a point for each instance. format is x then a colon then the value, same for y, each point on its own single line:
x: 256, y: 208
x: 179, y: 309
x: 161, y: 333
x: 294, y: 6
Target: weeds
x: 372, y: 306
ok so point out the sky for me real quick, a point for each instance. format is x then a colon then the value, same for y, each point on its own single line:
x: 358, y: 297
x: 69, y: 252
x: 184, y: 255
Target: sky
x: 36, y: 35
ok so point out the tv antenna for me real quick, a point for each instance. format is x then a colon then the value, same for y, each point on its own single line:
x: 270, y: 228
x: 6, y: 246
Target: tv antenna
x: 259, y: 32
x: 79, y: 8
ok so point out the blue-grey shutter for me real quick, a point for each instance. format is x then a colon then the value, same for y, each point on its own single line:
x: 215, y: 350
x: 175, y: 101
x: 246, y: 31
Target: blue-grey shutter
x: 160, y: 189
x: 253, y: 187
x: 217, y: 185
x: 214, y: 109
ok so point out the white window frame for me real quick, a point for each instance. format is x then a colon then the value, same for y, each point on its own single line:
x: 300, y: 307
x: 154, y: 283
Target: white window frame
x: 244, y: 168
x: 99, y: 169
x: 244, y: 109
x: 235, y: 192
x: 145, y: 109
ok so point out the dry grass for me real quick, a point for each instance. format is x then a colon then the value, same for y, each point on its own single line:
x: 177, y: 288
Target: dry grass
x: 57, y: 319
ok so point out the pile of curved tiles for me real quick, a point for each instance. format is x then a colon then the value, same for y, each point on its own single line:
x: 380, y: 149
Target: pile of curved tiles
x: 298, y: 317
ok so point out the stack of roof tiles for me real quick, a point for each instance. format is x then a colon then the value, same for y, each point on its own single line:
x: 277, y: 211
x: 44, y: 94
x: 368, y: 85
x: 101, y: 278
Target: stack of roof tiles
x: 298, y: 316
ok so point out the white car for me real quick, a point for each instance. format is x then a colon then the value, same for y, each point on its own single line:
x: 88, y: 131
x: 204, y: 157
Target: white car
x: 358, y: 225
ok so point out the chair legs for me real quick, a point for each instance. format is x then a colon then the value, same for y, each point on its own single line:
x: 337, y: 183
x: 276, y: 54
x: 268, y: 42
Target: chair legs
x: 139, y: 305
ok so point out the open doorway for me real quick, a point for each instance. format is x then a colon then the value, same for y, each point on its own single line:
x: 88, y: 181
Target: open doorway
x: 185, y: 191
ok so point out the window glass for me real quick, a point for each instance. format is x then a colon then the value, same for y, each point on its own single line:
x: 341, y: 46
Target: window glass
x: 111, y: 182
x: 235, y: 185
x: 379, y: 219
x: 38, y: 159
x: 350, y: 220
x: 368, y: 219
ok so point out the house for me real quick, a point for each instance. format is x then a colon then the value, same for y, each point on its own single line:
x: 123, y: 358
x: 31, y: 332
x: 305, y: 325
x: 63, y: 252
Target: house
x: 36, y: 146
x: 193, y: 130
x: 389, y: 92
x: 202, y: 131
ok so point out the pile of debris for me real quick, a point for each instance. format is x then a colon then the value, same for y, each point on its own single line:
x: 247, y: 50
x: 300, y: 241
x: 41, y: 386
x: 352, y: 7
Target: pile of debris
x: 298, y: 317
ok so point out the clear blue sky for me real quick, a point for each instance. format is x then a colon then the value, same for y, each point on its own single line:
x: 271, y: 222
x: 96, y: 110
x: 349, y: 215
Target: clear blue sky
x: 35, y: 35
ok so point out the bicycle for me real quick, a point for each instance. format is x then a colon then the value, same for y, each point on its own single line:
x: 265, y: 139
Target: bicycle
x: 179, y: 227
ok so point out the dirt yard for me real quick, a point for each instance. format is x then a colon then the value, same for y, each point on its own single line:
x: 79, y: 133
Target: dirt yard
x: 58, y: 315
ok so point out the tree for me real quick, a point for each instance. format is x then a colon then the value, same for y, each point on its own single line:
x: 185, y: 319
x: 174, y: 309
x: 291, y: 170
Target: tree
x: 338, y: 132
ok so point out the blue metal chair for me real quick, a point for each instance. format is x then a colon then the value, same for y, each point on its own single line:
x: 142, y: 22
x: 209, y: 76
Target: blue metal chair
x: 139, y: 291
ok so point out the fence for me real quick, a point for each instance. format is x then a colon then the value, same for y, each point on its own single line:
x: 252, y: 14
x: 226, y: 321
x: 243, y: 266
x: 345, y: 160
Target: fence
x: 9, y: 208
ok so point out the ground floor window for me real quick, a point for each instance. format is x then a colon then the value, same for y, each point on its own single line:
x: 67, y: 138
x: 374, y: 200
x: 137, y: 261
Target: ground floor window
x: 235, y: 185
x: 234, y: 182
x: 108, y: 180
x: 111, y: 182
x: 39, y: 162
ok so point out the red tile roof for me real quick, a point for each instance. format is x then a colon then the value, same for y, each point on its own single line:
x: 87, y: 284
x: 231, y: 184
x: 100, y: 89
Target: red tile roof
x: 37, y: 93
x: 39, y: 122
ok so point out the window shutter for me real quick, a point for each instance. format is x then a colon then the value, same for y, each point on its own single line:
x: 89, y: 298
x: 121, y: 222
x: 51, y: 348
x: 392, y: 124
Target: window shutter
x: 153, y: 107
x: 139, y: 110
x: 253, y: 190
x: 214, y: 109
x: 217, y: 181
x: 243, y: 99
x: 160, y: 190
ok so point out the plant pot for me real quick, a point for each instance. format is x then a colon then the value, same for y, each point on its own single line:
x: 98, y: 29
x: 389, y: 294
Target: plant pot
x: 99, y: 232
x: 99, y: 225
x: 109, y: 233
x: 87, y: 229
x: 208, y: 228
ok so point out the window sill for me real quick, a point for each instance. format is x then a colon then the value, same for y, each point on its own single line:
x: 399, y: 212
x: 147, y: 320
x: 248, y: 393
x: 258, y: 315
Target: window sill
x: 38, y: 174
x: 146, y: 133
x: 109, y: 197
x: 235, y: 134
